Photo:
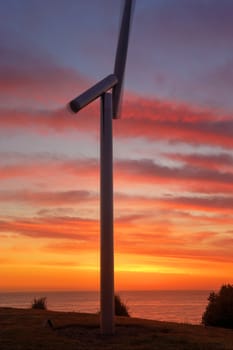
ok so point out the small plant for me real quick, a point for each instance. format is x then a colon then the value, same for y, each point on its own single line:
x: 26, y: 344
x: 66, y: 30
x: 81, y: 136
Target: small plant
x: 121, y: 309
x: 39, y: 303
x: 219, y: 311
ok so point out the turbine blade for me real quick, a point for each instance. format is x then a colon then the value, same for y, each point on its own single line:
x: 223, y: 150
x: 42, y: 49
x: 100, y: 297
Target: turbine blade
x: 93, y: 93
x: 121, y: 55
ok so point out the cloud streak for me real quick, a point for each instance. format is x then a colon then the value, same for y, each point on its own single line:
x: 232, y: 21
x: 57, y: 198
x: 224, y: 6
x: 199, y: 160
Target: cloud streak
x: 49, y: 198
x: 223, y: 161
x: 139, y: 171
x: 37, y: 80
x: 145, y: 118
x: 72, y: 234
x: 52, y: 228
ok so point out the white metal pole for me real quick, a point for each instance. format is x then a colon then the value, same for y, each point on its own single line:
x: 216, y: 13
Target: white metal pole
x: 107, y: 309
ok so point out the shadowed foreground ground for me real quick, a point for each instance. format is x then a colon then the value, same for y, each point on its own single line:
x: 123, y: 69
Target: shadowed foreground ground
x: 25, y: 329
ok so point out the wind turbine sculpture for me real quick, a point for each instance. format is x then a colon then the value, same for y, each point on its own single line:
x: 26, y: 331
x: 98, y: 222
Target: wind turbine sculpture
x: 110, y: 108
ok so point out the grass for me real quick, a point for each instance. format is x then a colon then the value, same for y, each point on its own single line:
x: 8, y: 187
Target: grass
x: 39, y: 303
x: 23, y: 329
x: 121, y: 309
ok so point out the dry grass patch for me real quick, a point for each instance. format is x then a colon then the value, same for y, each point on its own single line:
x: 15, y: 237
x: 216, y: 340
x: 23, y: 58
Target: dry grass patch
x: 26, y: 330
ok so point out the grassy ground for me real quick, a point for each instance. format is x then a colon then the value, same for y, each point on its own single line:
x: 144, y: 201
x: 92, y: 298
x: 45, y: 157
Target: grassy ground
x: 26, y: 330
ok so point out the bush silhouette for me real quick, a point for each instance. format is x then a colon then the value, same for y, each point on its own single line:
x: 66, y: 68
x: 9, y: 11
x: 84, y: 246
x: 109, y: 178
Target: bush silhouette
x: 39, y: 303
x: 120, y: 308
x: 219, y: 311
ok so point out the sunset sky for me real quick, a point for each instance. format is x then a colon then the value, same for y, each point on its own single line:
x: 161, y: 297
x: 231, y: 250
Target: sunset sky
x: 173, y: 147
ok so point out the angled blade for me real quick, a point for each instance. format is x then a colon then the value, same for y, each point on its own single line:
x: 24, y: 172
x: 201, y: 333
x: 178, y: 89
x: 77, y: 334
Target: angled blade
x: 121, y: 55
x: 94, y: 92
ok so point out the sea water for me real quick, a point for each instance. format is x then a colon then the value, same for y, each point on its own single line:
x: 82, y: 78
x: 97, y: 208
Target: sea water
x: 174, y: 306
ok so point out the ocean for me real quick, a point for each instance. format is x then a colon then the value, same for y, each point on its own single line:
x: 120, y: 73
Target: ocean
x: 174, y: 306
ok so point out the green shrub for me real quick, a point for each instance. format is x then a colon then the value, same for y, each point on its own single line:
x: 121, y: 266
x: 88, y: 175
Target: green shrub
x: 121, y: 308
x: 219, y: 311
x: 39, y: 303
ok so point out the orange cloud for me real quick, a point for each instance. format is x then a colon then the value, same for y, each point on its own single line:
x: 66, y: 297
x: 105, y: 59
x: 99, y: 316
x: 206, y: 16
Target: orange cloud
x: 52, y: 228
x: 49, y: 198
x: 191, y: 177
x: 126, y: 171
x: 156, y: 121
